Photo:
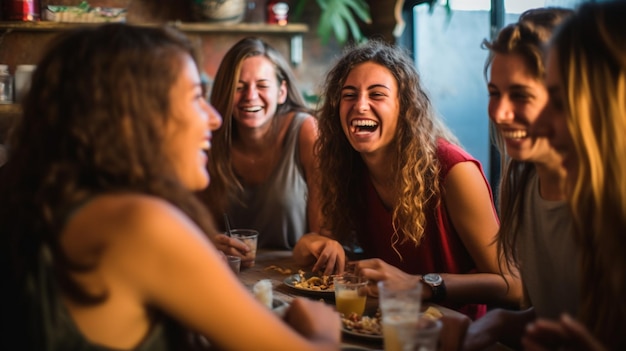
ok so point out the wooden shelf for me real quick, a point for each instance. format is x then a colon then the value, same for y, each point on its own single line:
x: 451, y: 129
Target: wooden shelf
x: 293, y: 30
x: 188, y: 27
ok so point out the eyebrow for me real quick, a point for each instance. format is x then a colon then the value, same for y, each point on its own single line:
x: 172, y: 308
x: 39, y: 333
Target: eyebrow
x: 373, y: 86
x: 512, y: 87
x: 258, y: 80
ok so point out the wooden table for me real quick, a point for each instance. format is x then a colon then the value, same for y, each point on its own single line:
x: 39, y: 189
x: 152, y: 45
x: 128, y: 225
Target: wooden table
x: 282, y: 259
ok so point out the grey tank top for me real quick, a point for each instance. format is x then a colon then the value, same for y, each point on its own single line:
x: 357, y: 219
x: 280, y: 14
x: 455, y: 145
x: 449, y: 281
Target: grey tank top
x: 57, y: 329
x: 548, y: 254
x: 277, y: 208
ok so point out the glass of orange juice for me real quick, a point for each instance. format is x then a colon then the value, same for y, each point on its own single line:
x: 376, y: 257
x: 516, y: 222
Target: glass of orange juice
x: 350, y: 294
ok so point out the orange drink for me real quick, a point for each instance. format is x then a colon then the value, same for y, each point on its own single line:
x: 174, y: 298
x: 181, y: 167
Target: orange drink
x: 350, y: 301
x: 350, y: 294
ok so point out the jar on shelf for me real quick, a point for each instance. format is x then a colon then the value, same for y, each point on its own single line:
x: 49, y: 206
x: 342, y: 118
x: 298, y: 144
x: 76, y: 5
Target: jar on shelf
x: 277, y: 12
x: 21, y: 10
x: 23, y: 75
x: 6, y: 85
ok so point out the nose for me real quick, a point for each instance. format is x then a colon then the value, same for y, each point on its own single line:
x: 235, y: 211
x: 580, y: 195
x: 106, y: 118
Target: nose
x: 361, y: 104
x: 501, y: 110
x: 250, y: 92
x: 215, y: 119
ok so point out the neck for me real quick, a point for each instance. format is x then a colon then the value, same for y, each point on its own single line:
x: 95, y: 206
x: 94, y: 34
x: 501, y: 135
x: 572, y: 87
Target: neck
x: 551, y: 182
x: 379, y: 166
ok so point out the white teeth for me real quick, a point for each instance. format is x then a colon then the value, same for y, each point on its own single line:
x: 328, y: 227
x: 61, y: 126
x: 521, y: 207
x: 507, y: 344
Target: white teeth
x: 515, y: 134
x: 252, y: 109
x: 205, y: 145
x: 364, y: 123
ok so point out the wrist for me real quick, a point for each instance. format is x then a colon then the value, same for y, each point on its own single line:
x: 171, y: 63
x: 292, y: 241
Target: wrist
x: 437, y: 286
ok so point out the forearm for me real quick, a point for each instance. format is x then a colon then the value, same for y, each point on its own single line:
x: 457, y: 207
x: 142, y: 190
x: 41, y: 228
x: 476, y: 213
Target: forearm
x: 488, y: 288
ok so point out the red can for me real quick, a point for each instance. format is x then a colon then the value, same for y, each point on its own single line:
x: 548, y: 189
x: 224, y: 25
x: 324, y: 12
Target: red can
x: 21, y: 10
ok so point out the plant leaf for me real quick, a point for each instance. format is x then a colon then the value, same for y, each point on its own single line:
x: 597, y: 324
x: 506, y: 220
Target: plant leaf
x: 353, y: 25
x: 361, y: 9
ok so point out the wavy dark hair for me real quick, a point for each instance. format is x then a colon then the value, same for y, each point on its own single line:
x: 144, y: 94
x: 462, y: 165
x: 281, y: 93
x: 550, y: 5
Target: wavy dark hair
x: 526, y: 38
x: 93, y: 123
x: 416, y: 167
x: 225, y: 187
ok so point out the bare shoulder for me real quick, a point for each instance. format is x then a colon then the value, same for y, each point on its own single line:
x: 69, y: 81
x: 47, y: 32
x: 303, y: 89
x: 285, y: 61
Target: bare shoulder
x: 463, y: 174
x: 308, y: 130
x: 123, y: 217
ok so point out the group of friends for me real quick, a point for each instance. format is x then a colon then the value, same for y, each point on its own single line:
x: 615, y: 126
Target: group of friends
x: 113, y: 238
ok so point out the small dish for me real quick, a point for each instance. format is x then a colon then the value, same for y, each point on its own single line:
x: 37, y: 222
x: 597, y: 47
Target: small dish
x: 358, y: 327
x: 296, y: 278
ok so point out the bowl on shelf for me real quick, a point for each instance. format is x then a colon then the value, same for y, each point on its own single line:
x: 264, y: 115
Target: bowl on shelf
x: 222, y: 11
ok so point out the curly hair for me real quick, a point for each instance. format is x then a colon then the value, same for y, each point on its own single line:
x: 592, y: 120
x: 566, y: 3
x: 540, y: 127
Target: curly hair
x: 225, y: 186
x: 93, y: 123
x: 525, y: 38
x: 591, y: 51
x: 416, y: 167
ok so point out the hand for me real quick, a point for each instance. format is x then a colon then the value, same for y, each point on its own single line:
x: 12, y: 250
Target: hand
x: 376, y: 270
x: 230, y: 246
x: 565, y: 334
x: 328, y: 253
x: 453, y: 332
x: 498, y: 325
x: 314, y: 320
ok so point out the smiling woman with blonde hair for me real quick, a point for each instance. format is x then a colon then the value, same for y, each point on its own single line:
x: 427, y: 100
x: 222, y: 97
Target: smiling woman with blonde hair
x: 586, y: 122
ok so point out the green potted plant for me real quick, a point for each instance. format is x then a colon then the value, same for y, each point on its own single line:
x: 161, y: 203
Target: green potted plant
x: 338, y: 18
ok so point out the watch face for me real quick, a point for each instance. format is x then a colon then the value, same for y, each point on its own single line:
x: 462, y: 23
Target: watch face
x: 433, y: 279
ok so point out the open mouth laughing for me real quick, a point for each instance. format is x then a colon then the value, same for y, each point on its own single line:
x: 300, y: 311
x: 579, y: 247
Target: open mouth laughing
x: 361, y: 126
x: 515, y: 134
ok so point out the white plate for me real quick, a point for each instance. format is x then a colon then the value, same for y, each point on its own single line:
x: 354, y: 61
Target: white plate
x: 362, y: 335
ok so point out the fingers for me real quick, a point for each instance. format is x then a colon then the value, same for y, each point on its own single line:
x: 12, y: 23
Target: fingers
x: 331, y: 258
x: 545, y: 335
x: 230, y: 246
x: 453, y: 332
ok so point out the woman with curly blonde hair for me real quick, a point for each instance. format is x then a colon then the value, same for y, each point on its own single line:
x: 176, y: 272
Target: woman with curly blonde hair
x: 395, y: 181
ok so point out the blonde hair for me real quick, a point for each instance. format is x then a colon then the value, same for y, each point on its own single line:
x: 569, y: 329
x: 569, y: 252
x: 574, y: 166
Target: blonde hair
x: 591, y: 49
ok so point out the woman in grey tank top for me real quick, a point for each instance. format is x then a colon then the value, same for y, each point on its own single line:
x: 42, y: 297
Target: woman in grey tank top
x: 262, y: 166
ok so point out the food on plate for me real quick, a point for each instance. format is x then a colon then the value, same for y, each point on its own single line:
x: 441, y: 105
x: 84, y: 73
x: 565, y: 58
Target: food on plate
x: 278, y: 269
x: 315, y: 282
x: 371, y: 325
x: 363, y: 324
x: 432, y: 312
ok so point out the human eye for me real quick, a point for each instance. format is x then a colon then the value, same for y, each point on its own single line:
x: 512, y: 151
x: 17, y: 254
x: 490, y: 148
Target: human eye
x: 348, y: 95
x: 493, y: 93
x: 521, y: 96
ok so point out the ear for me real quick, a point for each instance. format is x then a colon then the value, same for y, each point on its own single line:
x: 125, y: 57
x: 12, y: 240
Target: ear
x: 282, y: 92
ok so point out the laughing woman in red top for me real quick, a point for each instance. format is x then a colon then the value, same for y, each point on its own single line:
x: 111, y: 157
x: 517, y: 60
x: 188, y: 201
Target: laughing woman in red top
x: 395, y: 182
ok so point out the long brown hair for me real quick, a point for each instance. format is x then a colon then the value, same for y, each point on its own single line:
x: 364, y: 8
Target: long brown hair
x: 527, y: 39
x: 225, y: 187
x: 416, y: 168
x: 92, y: 124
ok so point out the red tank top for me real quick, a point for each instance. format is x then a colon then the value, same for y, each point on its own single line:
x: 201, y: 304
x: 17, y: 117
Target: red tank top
x: 441, y: 249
